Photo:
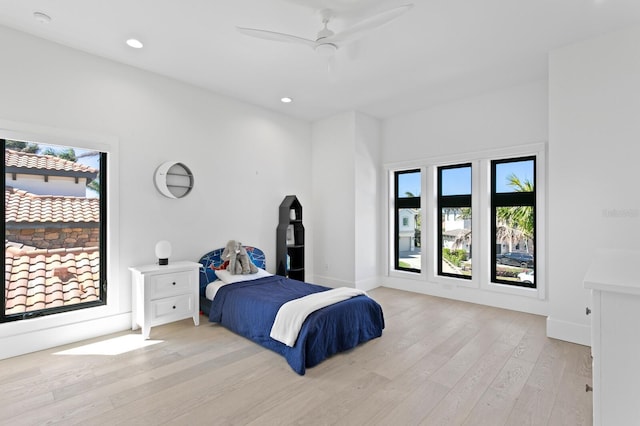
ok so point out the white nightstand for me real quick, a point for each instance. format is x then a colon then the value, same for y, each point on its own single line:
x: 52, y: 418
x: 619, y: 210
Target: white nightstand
x: 163, y: 294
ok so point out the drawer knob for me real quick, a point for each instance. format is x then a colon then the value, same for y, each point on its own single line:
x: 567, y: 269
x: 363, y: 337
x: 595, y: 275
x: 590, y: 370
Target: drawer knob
x: 174, y: 306
x: 587, y: 310
x: 174, y: 283
x: 588, y: 388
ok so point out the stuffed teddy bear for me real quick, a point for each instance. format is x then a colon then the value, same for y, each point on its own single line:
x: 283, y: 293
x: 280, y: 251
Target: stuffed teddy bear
x: 239, y: 262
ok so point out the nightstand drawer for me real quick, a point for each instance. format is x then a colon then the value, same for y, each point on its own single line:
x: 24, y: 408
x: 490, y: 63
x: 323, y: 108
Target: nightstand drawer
x: 164, y: 293
x: 170, y: 285
x: 179, y: 305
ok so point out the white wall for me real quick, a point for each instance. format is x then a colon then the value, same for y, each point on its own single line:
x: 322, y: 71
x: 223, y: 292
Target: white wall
x: 507, y: 118
x: 594, y: 146
x: 333, y: 177
x: 368, y: 190
x: 245, y: 160
x: 346, y: 190
x: 498, y: 119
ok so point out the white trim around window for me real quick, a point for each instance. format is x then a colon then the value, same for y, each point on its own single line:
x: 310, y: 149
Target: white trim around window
x: 113, y: 308
x: 480, y: 222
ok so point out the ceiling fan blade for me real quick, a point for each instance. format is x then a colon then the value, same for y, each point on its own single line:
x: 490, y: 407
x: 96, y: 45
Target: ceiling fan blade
x: 367, y: 24
x: 272, y: 35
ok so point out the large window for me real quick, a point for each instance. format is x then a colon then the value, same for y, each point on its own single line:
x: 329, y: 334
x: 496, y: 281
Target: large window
x: 454, y: 221
x: 55, y: 229
x: 408, y: 221
x: 476, y: 224
x: 513, y: 220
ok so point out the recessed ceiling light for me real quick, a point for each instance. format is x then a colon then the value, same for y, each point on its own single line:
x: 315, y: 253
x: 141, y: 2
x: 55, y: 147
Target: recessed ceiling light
x: 286, y: 100
x: 135, y: 43
x: 43, y: 18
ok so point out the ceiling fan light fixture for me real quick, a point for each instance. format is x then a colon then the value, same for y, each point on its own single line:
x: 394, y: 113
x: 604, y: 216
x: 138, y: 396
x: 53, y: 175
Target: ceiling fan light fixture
x: 326, y: 50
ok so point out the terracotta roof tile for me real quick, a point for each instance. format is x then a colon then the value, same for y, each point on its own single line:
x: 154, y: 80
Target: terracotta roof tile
x: 24, y: 207
x: 27, y: 160
x: 40, y: 279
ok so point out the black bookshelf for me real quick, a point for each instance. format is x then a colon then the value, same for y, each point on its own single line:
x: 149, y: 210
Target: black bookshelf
x: 290, y: 239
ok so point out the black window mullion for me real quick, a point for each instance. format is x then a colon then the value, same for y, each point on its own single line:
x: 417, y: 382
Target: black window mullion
x: 511, y: 199
x: 455, y: 201
x: 408, y: 203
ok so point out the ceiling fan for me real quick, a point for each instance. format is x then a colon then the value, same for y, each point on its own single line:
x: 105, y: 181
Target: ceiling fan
x: 327, y: 42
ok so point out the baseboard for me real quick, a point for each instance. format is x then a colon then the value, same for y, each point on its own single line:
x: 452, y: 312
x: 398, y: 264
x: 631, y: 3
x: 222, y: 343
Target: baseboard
x: 368, y: 284
x: 569, y: 331
x: 331, y: 282
x: 38, y: 340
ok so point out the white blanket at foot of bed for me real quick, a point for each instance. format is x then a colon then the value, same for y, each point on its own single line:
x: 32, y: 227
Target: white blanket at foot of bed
x: 292, y: 314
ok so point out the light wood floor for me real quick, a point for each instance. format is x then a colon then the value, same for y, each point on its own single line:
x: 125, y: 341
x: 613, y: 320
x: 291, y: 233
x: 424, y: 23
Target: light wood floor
x: 438, y: 362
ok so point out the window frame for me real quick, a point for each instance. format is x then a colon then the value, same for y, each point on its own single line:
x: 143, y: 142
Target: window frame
x: 511, y: 199
x: 451, y: 201
x: 409, y: 203
x: 103, y: 226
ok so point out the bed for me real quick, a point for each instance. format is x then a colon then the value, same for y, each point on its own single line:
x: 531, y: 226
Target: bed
x: 248, y: 305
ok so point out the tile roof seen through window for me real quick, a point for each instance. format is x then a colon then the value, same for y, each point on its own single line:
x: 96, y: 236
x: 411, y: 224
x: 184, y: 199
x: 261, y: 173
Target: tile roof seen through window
x: 24, y: 207
x: 42, y: 279
x: 25, y: 160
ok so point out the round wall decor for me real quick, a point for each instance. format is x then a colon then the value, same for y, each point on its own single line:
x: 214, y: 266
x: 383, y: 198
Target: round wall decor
x: 173, y: 179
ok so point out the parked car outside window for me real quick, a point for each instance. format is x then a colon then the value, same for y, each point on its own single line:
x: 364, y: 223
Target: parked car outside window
x: 515, y: 258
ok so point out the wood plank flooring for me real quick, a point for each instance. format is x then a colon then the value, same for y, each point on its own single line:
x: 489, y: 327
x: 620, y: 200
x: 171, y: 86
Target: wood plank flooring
x: 438, y: 362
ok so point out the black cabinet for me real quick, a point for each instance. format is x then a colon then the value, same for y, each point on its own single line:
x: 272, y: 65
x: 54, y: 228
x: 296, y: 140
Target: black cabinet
x: 290, y: 239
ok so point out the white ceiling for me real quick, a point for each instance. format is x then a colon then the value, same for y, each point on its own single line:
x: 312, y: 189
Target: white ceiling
x: 438, y: 51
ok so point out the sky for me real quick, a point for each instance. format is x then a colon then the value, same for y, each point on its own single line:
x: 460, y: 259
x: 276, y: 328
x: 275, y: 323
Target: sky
x: 457, y: 181
x: 522, y: 169
x: 409, y: 182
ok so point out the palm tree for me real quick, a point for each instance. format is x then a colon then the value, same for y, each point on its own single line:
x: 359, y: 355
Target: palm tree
x: 21, y: 146
x: 66, y: 154
x: 516, y: 223
x: 94, y: 184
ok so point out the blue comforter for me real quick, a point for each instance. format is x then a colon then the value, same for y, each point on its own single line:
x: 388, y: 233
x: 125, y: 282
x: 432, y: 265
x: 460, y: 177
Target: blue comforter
x: 250, y: 307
